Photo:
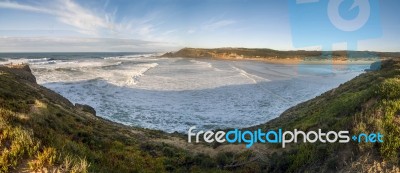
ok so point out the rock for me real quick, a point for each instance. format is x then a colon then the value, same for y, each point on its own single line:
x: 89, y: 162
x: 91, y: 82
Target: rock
x: 25, y: 67
x: 22, y: 71
x: 85, y: 108
x: 375, y: 66
x: 168, y: 54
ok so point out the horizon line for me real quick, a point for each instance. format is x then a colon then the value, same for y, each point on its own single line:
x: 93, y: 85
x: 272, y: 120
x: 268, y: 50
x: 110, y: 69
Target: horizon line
x: 280, y: 50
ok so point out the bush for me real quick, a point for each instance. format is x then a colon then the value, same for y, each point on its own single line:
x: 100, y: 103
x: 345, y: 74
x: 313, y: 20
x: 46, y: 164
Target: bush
x: 389, y: 89
x: 390, y: 148
x: 15, y: 144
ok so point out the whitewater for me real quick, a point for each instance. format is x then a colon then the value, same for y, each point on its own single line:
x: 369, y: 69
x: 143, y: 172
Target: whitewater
x: 173, y: 94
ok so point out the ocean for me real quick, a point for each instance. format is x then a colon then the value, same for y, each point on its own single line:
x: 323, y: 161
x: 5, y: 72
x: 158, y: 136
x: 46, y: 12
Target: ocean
x: 173, y: 94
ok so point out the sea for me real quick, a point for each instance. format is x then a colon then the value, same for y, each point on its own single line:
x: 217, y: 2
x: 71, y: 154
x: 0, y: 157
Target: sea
x: 173, y: 94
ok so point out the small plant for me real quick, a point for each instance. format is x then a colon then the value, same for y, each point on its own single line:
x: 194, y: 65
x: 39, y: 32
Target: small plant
x: 45, y: 158
x: 15, y: 144
x: 80, y: 167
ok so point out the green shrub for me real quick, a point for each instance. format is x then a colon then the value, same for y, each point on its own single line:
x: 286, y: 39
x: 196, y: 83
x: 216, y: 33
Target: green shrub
x: 390, y: 148
x: 389, y: 89
x: 15, y: 145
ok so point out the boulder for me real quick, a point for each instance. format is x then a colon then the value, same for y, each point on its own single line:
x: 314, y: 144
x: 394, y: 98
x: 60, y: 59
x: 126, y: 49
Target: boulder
x: 85, y: 108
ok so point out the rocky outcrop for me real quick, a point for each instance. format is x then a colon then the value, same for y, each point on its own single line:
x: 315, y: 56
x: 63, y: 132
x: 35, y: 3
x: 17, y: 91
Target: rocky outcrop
x: 85, y: 108
x: 22, y: 71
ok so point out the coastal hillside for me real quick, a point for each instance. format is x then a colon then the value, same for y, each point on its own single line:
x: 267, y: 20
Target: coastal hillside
x: 369, y: 103
x: 42, y: 131
x: 269, y: 54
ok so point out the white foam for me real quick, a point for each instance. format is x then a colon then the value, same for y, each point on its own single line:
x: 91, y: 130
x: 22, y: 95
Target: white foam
x: 14, y: 61
x: 77, y: 71
x: 38, y: 60
x: 205, y: 64
x: 24, y: 61
x: 172, y: 94
x: 131, y: 57
x: 133, y: 76
x: 251, y: 77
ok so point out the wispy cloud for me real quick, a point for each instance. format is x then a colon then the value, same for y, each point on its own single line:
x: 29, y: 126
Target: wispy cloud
x: 15, y: 5
x: 145, y: 30
x: 81, y: 18
x: 98, y: 30
x: 213, y: 25
x: 69, y: 12
x: 169, y: 32
x: 145, y: 27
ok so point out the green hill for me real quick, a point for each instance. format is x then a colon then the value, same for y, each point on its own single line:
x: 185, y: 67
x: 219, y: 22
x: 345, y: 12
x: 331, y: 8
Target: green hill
x: 251, y: 53
x: 41, y: 130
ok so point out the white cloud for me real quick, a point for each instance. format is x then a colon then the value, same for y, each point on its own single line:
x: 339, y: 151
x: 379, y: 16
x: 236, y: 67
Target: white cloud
x: 15, y: 5
x: 69, y: 12
x: 218, y: 24
x: 81, y: 18
x: 145, y: 30
x: 145, y: 27
x: 89, y: 23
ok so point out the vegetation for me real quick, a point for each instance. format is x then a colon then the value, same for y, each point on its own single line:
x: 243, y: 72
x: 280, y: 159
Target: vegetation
x: 369, y: 103
x: 246, y: 53
x: 42, y: 131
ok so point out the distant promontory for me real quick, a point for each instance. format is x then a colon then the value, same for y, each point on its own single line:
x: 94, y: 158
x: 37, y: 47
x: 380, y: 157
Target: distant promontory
x: 277, y: 56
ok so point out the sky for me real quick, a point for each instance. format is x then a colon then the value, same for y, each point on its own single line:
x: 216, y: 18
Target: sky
x: 168, y: 25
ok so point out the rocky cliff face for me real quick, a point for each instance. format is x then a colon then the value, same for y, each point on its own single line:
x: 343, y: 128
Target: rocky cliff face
x: 22, y: 71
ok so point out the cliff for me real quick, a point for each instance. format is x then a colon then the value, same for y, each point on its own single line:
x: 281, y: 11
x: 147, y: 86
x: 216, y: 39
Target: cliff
x: 42, y: 131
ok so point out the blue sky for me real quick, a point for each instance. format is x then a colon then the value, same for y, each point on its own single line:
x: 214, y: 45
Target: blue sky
x: 167, y: 25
